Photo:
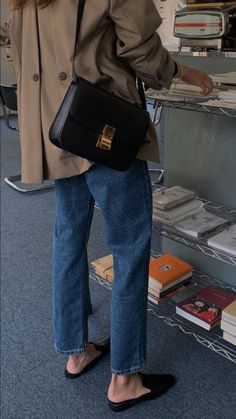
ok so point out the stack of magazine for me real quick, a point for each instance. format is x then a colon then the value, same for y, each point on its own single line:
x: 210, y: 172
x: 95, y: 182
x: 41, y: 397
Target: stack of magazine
x: 174, y: 204
x: 179, y: 208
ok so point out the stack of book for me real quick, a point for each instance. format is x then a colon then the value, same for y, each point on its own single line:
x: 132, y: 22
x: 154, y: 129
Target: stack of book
x: 174, y: 204
x: 189, y: 90
x: 228, y: 323
x: 166, y: 273
x: 202, y: 224
x: 226, y: 240
x: 104, y: 267
x: 228, y: 96
x: 204, y: 308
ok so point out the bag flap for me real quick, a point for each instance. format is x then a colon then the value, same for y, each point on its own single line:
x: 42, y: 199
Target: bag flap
x: 95, y: 108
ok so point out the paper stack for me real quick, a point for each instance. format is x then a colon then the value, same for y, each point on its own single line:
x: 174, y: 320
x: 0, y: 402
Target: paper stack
x: 174, y: 204
x: 189, y: 90
x: 224, y: 78
x: 228, y: 96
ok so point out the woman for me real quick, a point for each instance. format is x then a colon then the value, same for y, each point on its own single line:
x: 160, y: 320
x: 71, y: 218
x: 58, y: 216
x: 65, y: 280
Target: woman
x: 118, y: 40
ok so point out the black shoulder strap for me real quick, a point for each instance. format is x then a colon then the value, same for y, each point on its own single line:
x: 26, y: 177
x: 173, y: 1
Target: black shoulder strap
x: 74, y: 74
x: 80, y: 12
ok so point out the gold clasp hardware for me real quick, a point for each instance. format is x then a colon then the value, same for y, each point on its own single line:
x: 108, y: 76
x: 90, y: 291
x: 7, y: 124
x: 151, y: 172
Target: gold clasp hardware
x: 106, y: 137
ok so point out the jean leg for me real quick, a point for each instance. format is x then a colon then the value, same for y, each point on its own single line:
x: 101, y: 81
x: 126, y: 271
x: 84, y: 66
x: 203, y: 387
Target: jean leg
x: 125, y: 199
x: 71, y: 298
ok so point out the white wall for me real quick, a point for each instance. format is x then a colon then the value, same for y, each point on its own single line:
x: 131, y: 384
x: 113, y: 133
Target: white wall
x: 6, y: 74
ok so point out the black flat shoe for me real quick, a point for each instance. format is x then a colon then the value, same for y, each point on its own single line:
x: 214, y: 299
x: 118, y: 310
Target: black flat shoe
x: 103, y: 347
x: 157, y: 383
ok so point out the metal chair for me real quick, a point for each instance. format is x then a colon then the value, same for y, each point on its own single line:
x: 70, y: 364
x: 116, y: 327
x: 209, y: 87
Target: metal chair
x: 8, y: 102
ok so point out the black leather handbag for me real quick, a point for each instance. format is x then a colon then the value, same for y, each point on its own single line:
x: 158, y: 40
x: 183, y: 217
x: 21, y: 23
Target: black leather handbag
x: 98, y: 125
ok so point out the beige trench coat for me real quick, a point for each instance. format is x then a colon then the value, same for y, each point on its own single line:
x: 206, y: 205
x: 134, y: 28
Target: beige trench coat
x: 118, y: 38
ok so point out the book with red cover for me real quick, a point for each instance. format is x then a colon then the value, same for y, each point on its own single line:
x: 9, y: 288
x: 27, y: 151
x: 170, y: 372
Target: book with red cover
x: 167, y: 269
x: 205, y: 307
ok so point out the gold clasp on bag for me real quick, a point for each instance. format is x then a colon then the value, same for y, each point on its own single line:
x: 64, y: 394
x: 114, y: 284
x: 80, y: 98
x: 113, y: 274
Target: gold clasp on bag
x: 106, y: 137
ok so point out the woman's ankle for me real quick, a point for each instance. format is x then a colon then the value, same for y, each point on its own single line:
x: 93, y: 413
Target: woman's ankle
x: 124, y: 380
x: 76, y: 362
x: 124, y: 387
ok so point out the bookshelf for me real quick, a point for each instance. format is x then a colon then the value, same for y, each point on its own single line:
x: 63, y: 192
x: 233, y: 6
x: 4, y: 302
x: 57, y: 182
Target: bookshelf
x: 165, y: 312
x: 165, y: 100
x: 199, y: 155
x: 200, y: 244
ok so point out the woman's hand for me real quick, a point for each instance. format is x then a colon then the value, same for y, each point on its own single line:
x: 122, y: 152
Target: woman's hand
x: 196, y: 77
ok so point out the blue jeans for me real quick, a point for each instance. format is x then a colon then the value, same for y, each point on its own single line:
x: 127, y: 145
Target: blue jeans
x: 125, y: 199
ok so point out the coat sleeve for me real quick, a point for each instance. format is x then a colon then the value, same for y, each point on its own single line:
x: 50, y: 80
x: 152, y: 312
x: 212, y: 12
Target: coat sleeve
x: 5, y: 40
x: 139, y: 43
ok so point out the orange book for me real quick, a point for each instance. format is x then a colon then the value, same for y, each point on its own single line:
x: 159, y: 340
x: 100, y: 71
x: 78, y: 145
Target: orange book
x: 167, y: 269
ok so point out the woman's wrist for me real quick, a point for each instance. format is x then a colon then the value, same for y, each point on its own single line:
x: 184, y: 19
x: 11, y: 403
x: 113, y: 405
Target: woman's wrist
x: 180, y: 71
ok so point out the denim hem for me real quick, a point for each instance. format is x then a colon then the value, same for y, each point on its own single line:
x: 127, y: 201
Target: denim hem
x: 132, y: 370
x: 72, y: 351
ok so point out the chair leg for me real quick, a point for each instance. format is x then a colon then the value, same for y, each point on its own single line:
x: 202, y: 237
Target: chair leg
x: 7, y: 118
x: 12, y: 182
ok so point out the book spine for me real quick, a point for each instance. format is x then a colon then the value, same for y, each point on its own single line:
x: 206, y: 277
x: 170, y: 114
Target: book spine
x: 228, y: 327
x: 229, y: 318
x: 155, y: 284
x: 229, y: 338
x: 153, y: 299
x: 174, y: 287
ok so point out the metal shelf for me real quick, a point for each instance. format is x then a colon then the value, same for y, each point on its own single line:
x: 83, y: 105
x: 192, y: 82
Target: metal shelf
x: 216, y: 254
x: 164, y: 100
x: 165, y: 311
x: 212, y: 339
x: 200, y: 244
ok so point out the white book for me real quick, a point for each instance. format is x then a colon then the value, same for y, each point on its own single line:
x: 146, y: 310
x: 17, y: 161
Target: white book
x: 228, y: 327
x: 201, y: 224
x: 229, y: 78
x: 229, y: 338
x: 193, y: 319
x: 172, y: 197
x: 228, y: 96
x: 229, y: 313
x: 226, y: 240
x: 180, y: 211
x: 152, y: 298
x: 176, y: 219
